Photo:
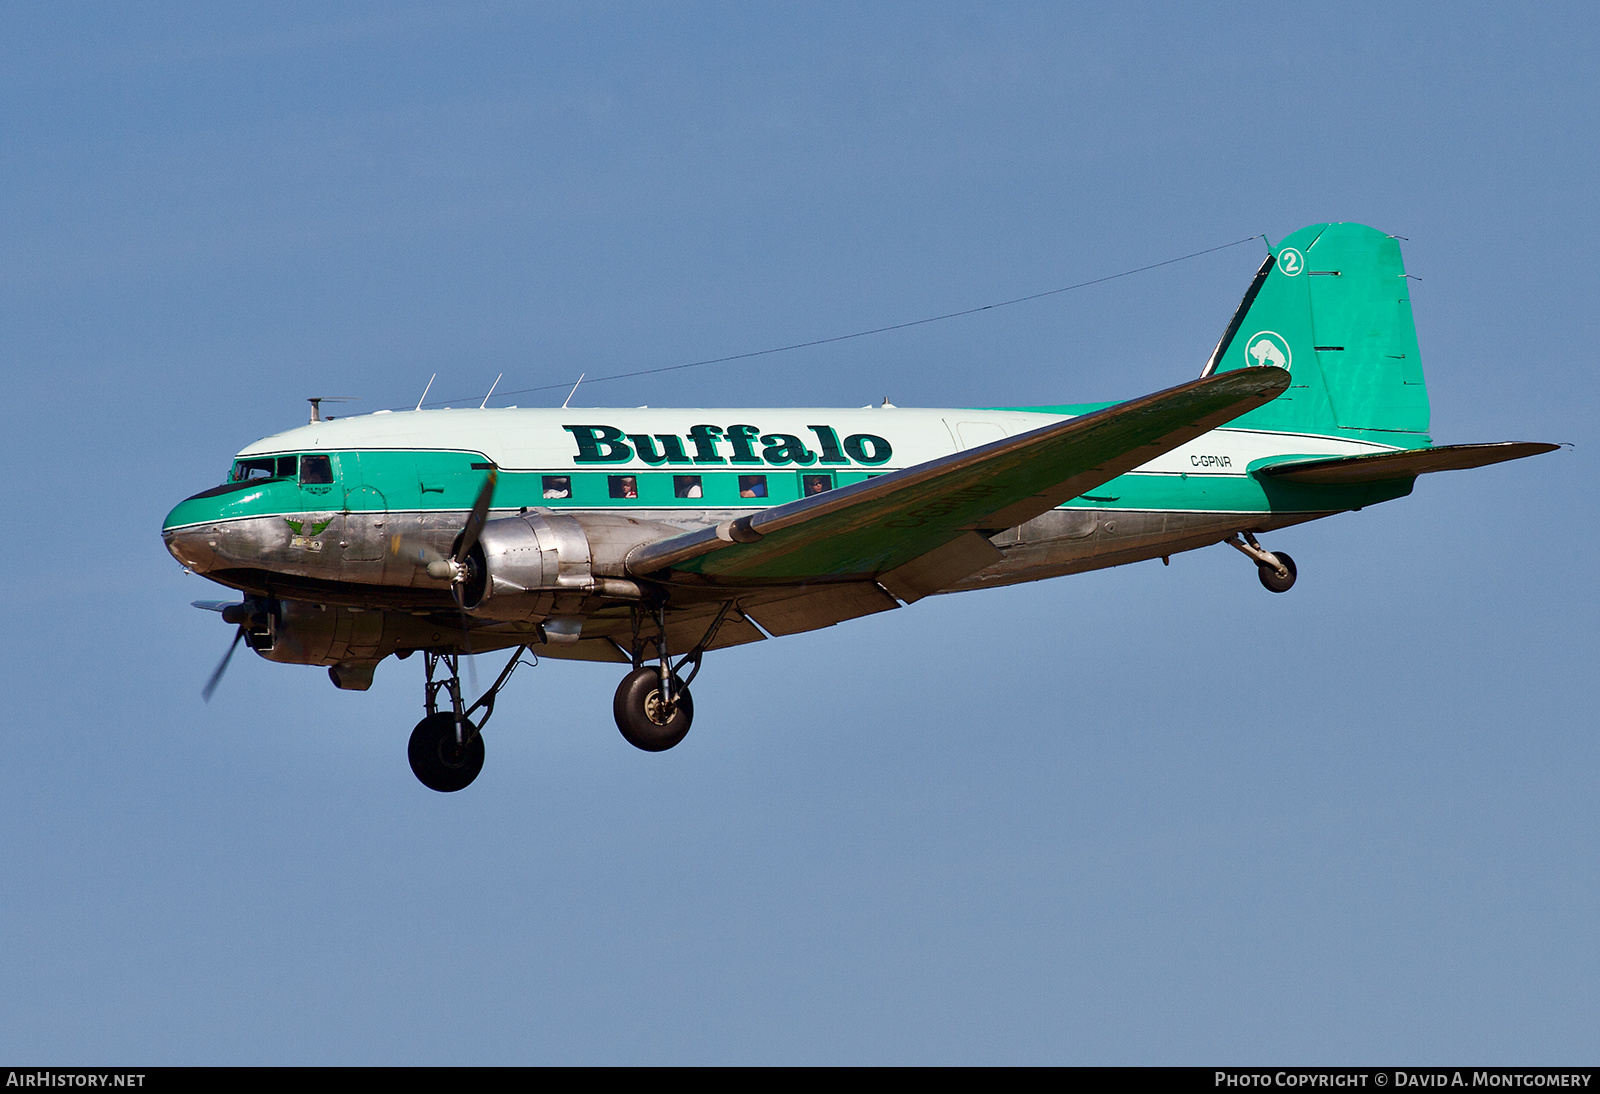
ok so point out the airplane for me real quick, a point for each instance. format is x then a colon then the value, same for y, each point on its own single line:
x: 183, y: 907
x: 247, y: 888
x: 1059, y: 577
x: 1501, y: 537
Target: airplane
x: 650, y: 537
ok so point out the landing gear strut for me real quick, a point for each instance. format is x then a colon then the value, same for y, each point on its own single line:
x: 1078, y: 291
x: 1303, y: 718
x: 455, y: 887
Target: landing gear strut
x: 653, y: 707
x: 1275, y: 568
x: 446, y: 749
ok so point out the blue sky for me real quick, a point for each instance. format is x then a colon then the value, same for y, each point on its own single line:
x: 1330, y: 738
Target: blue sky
x: 1143, y: 815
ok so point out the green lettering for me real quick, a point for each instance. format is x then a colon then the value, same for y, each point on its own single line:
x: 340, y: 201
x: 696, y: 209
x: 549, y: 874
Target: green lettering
x: 599, y: 444
x: 868, y: 448
x: 784, y: 448
x: 705, y: 439
x: 829, y: 440
x: 672, y: 447
x: 742, y: 438
x: 645, y: 448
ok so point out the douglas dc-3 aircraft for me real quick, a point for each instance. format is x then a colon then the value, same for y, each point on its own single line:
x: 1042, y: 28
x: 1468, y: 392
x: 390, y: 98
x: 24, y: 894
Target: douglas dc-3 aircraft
x: 649, y: 537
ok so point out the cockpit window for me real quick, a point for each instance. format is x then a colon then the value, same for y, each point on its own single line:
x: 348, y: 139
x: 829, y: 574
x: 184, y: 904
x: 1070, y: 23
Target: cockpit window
x: 315, y: 470
x: 246, y: 470
x: 269, y: 467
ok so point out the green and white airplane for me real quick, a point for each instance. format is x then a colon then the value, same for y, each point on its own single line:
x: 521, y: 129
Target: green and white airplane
x: 649, y: 537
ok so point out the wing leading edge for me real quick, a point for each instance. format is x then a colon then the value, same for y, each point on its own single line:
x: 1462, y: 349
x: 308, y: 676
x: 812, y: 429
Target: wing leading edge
x: 919, y: 528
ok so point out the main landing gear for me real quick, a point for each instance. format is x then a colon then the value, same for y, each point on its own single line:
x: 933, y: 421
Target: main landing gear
x: 653, y: 707
x: 446, y: 749
x: 1275, y: 568
x: 652, y: 715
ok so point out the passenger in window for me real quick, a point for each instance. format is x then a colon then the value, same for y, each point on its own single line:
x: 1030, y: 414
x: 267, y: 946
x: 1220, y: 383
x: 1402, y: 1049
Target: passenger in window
x: 752, y: 486
x: 816, y: 484
x: 558, y: 486
x: 624, y: 486
x: 687, y: 486
x: 316, y: 470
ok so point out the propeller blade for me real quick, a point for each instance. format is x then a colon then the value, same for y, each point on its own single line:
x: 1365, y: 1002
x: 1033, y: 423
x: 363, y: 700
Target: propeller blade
x: 466, y: 642
x: 214, y: 605
x: 472, y: 661
x: 216, y: 677
x: 480, y: 513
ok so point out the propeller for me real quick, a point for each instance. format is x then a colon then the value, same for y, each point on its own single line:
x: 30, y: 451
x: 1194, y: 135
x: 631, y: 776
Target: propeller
x: 453, y: 569
x: 475, y: 521
x: 236, y: 612
x: 222, y: 667
x: 438, y: 565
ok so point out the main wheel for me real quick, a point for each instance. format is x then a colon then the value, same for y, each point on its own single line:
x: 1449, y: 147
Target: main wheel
x: 1270, y: 579
x: 637, y: 708
x: 437, y: 761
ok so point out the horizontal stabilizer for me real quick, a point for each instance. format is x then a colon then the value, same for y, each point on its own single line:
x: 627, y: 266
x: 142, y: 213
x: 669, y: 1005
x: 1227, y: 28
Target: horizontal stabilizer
x: 1387, y: 466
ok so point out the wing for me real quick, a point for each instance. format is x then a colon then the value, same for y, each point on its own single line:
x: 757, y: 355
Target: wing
x: 1386, y: 466
x: 915, y: 530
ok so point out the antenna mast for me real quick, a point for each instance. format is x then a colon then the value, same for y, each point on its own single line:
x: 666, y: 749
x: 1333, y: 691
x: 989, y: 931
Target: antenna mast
x: 317, y: 401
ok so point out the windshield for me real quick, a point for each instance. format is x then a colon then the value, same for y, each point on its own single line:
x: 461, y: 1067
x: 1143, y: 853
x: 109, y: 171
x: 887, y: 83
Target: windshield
x: 314, y: 469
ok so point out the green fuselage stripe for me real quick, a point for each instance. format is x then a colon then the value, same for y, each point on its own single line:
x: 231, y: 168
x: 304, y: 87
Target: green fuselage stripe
x: 433, y: 481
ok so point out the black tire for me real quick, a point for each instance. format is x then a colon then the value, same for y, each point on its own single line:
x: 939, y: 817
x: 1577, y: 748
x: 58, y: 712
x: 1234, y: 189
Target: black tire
x: 638, y: 698
x: 436, y: 761
x: 1270, y: 579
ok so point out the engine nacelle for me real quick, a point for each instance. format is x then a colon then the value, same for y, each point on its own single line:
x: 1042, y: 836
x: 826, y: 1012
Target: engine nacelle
x: 296, y: 632
x: 540, y: 565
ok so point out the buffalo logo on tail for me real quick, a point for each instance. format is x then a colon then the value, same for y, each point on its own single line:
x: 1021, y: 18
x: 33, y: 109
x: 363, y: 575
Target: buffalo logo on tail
x: 1268, y: 348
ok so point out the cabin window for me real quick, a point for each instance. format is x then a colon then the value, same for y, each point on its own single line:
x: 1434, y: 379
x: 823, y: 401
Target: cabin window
x: 687, y: 486
x: 316, y: 470
x: 624, y: 486
x: 815, y: 484
x: 557, y: 486
x: 752, y: 486
x: 286, y: 466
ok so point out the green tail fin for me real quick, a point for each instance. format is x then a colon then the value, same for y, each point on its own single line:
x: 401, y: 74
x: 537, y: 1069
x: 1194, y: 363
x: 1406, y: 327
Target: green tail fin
x: 1331, y: 304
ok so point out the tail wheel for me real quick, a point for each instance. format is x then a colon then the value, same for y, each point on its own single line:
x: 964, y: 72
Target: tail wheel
x: 641, y: 714
x: 438, y: 761
x: 1271, y: 580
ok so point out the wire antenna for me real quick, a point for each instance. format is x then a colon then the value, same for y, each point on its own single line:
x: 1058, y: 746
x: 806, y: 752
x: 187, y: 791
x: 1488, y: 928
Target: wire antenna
x: 892, y: 326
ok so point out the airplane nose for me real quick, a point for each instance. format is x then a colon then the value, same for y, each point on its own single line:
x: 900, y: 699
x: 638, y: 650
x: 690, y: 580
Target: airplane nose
x: 198, y: 531
x: 194, y: 548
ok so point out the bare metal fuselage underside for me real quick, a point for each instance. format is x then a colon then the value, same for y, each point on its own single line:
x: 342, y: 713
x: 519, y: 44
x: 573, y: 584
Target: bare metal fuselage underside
x: 352, y: 600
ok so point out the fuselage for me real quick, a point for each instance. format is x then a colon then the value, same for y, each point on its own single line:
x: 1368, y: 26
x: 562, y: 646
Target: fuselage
x: 312, y: 512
